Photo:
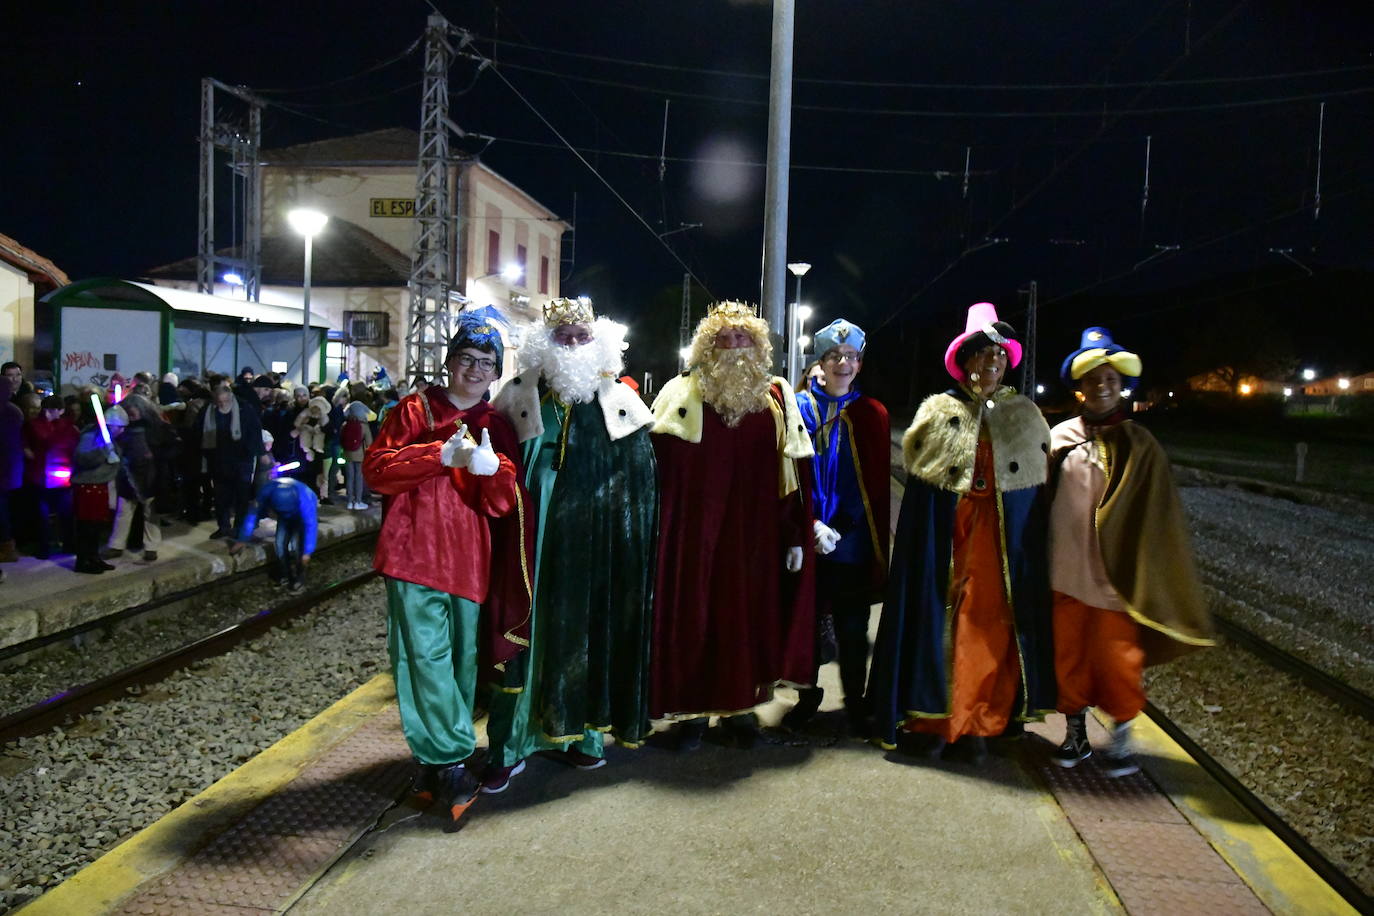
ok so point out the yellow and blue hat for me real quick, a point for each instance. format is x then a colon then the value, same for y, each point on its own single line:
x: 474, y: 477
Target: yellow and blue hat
x: 479, y: 332
x: 1096, y: 348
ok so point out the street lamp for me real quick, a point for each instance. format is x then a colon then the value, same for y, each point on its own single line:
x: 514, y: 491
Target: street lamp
x: 799, y: 269
x: 308, y: 223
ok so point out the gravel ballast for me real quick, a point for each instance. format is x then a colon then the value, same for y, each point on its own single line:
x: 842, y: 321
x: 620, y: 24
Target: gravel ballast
x: 72, y: 794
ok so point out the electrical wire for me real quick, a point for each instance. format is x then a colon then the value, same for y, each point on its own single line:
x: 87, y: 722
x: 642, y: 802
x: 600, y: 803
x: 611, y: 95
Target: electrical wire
x: 580, y: 158
x: 347, y: 79
x: 879, y: 84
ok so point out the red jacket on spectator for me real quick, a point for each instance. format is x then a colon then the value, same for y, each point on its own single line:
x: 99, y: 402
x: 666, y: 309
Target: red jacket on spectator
x: 52, y: 444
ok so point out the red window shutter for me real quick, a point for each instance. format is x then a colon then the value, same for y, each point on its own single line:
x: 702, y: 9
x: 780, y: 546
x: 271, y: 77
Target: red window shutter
x: 493, y: 251
x: 544, y: 275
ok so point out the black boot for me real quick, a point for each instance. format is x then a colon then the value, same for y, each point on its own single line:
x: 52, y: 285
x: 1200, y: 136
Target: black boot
x: 808, y: 701
x: 856, y: 713
x: 743, y: 729
x: 690, y: 733
x: 1075, y: 748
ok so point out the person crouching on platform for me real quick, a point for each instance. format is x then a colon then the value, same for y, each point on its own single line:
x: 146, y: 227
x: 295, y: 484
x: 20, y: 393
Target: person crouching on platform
x: 1126, y: 592
x: 589, y: 466
x: 734, y: 611
x: 448, y: 468
x: 850, y: 501
x: 294, y: 505
x: 968, y: 584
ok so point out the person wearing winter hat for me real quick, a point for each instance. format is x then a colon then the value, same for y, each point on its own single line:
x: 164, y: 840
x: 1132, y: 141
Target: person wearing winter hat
x: 850, y: 496
x: 97, y: 464
x: 49, y: 444
x: 589, y: 465
x: 1119, y: 606
x: 456, y: 530
x: 964, y: 643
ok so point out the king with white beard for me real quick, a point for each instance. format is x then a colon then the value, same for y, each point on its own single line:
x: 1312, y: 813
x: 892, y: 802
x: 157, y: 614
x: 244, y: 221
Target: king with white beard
x: 589, y: 466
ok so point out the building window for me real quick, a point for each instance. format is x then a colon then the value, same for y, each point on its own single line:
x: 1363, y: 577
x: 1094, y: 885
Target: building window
x: 493, y: 252
x: 335, y: 358
x: 522, y: 255
x: 544, y: 275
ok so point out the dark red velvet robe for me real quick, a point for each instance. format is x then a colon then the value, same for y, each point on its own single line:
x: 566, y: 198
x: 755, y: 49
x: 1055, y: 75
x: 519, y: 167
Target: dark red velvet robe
x: 729, y: 620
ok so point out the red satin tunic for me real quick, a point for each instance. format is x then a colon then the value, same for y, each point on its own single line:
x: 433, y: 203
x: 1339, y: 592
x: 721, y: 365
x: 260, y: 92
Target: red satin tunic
x: 434, y: 518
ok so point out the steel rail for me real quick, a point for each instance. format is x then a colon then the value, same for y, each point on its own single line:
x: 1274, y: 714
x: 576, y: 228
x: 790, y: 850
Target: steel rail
x: 138, y: 610
x: 52, y: 712
x: 1352, y: 698
x: 1327, y: 870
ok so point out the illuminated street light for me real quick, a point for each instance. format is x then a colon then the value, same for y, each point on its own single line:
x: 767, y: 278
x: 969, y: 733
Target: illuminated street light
x: 685, y: 354
x: 512, y: 272
x: 308, y: 223
x: 803, y: 341
x: 804, y: 313
x: 1039, y: 389
x: 795, y: 325
x: 1343, y: 383
x: 1309, y: 374
x: 232, y: 279
x: 1287, y: 392
x: 1245, y: 388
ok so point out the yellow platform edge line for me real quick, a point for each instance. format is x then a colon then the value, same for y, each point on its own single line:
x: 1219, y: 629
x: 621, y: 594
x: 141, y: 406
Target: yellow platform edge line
x: 105, y: 883
x: 1281, y: 880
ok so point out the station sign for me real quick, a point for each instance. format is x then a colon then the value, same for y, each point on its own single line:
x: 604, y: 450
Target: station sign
x: 397, y: 207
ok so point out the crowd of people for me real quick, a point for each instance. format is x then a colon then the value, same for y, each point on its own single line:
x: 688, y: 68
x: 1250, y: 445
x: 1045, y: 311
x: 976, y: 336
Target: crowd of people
x: 99, y: 473
x: 581, y: 564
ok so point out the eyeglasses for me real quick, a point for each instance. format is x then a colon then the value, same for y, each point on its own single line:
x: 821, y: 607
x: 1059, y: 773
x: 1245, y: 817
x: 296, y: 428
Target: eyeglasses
x: 834, y: 357
x: 467, y: 362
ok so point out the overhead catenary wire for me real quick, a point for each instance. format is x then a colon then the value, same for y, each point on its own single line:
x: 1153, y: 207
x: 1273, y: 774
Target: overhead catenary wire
x: 885, y: 84
x: 591, y: 168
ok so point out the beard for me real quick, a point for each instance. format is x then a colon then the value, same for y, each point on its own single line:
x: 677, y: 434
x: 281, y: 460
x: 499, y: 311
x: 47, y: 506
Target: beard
x: 575, y: 373
x: 735, y: 382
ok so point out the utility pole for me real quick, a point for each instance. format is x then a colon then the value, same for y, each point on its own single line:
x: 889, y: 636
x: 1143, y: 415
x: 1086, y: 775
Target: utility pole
x: 244, y: 144
x: 1028, y: 357
x: 776, y: 190
x: 430, y: 267
x: 684, y: 329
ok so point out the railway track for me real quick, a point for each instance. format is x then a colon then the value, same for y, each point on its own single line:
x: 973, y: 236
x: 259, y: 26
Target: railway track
x: 80, y: 699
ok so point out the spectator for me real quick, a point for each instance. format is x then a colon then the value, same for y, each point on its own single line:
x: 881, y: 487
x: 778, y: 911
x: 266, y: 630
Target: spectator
x: 196, y: 493
x: 167, y: 393
x: 309, y: 431
x: 11, y: 458
x: 15, y: 373
x: 333, y: 468
x: 294, y: 505
x: 231, y: 438
x: 30, y: 402
x: 146, y: 436
x: 96, y: 466
x: 49, y: 451
x: 71, y: 407
x: 354, y: 439
x: 390, y: 399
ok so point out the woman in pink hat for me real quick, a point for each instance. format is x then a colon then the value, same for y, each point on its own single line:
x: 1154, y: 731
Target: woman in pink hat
x: 964, y: 647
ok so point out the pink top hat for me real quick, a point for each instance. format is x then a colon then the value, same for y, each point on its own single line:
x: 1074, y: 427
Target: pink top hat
x: 981, y: 317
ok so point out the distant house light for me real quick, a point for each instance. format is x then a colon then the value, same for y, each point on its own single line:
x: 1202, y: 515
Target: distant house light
x: 1039, y: 389
x: 1287, y: 392
x: 1343, y: 383
x: 1309, y: 374
x: 1245, y: 388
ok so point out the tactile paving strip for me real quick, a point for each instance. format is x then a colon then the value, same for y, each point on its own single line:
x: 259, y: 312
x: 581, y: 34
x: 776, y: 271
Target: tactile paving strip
x: 266, y: 859
x: 1154, y: 858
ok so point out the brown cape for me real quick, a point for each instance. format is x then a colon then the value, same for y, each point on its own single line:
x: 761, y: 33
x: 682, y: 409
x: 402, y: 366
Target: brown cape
x: 1144, y: 538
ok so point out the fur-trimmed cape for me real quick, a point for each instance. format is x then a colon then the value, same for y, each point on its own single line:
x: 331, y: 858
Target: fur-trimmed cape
x: 621, y: 407
x: 940, y: 444
x: 677, y: 412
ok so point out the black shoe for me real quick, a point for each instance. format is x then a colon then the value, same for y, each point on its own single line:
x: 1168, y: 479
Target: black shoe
x: 88, y: 567
x: 977, y: 749
x: 690, y: 733
x: 858, y: 720
x: 743, y: 729
x: 219, y: 533
x: 808, y: 701
x: 103, y: 566
x: 1075, y: 748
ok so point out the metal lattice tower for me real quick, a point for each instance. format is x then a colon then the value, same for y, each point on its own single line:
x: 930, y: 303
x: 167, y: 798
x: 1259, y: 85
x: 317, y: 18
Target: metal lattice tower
x: 243, y: 142
x: 430, y: 265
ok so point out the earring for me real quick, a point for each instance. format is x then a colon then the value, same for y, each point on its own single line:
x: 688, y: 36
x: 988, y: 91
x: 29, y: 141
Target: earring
x: 973, y: 376
x: 1079, y: 395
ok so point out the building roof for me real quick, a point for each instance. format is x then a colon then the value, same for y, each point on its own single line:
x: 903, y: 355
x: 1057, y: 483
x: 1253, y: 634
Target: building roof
x: 392, y: 146
x: 110, y: 289
x: 344, y: 254
x: 41, y: 272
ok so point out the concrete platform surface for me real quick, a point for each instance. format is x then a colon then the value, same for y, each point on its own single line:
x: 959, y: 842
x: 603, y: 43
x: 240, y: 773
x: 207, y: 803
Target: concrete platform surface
x: 39, y: 597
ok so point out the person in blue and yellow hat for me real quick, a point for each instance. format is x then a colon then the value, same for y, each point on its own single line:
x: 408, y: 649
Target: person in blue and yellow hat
x: 1125, y: 589
x: 850, y: 502
x: 453, y: 550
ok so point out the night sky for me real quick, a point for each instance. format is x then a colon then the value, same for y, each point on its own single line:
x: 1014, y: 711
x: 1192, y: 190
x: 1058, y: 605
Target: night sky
x: 1054, y: 100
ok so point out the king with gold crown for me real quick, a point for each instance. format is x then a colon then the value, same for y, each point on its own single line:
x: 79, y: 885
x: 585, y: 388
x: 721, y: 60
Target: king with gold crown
x: 734, y: 614
x: 589, y: 466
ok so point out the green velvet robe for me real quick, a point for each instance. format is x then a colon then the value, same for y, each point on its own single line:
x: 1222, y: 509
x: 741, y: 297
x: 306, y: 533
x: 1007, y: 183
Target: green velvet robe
x: 586, y: 671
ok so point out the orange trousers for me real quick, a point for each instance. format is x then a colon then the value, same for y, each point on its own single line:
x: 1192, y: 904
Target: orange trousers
x: 1097, y: 659
x: 987, y: 665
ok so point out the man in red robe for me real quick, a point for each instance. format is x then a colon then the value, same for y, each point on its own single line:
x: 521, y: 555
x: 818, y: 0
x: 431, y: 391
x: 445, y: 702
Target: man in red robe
x: 734, y: 610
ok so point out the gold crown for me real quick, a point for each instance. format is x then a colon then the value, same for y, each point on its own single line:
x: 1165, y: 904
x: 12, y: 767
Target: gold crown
x: 568, y: 311
x: 732, y: 308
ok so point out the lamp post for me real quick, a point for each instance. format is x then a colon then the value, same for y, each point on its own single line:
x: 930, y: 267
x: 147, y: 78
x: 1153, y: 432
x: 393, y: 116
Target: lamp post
x: 308, y: 223
x: 799, y: 269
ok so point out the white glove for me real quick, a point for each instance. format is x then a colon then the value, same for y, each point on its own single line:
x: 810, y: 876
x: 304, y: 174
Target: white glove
x: 485, y: 461
x: 309, y: 455
x: 825, y: 537
x: 794, y: 559
x: 111, y: 456
x: 457, y: 451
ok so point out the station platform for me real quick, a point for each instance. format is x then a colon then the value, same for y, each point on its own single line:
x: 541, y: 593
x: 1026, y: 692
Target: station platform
x: 41, y: 597
x: 809, y: 824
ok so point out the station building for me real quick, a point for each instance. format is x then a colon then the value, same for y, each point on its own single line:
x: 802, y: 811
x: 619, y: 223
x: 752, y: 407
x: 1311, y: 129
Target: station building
x: 25, y: 276
x: 361, y: 260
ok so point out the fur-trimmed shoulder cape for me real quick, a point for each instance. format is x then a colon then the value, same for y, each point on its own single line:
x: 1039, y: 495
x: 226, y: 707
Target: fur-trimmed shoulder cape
x: 621, y: 407
x: 678, y: 411
x: 939, y: 446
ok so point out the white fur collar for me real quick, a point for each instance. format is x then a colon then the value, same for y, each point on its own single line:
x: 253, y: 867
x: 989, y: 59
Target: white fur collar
x: 678, y: 412
x: 621, y: 407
